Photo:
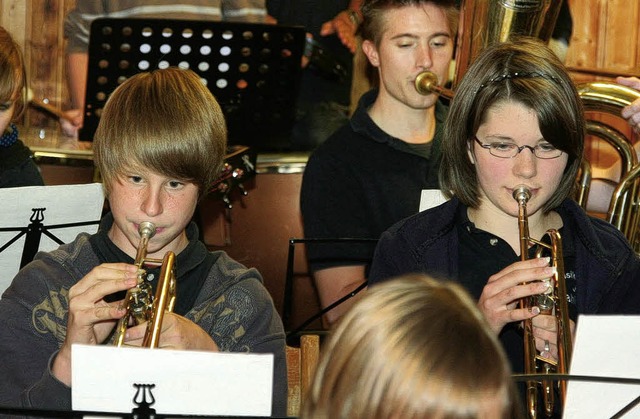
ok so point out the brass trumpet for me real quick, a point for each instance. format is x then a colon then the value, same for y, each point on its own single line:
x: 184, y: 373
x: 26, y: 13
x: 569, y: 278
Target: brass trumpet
x: 555, y: 303
x: 426, y: 83
x: 140, y: 305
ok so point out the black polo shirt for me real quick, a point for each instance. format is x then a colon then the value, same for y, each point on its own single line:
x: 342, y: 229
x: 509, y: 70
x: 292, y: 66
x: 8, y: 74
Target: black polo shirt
x: 360, y: 182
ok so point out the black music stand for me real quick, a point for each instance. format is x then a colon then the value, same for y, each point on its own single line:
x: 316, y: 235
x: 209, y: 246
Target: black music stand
x: 40, y: 218
x: 252, y: 69
x: 290, y: 278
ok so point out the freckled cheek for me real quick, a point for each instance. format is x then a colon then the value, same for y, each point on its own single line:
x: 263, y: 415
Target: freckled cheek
x: 553, y: 169
x: 556, y: 171
x: 491, y: 168
x: 172, y: 203
x: 182, y: 203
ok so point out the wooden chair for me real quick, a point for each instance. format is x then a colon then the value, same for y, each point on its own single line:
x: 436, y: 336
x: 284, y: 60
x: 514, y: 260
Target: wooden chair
x: 301, y: 366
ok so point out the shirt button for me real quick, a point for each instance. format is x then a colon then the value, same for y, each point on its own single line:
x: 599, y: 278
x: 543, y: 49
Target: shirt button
x: 493, y: 241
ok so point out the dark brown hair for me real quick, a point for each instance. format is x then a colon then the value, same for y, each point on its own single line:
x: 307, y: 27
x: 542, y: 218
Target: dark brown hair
x: 526, y: 71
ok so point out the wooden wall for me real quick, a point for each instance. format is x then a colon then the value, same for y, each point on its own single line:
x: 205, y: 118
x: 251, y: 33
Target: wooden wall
x: 605, y: 43
x: 37, y: 25
x: 606, y: 37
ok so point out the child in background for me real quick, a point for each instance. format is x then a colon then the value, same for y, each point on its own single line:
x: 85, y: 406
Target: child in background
x: 17, y: 167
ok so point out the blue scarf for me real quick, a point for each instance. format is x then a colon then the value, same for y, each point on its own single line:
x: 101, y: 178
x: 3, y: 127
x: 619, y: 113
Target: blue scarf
x: 9, y: 137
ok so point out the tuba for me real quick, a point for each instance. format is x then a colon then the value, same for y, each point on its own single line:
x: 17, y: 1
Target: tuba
x: 553, y: 303
x: 624, y: 211
x: 483, y: 22
x: 139, y: 302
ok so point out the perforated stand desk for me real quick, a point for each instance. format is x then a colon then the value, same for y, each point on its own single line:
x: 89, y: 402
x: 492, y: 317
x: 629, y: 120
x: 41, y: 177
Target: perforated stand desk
x: 253, y: 70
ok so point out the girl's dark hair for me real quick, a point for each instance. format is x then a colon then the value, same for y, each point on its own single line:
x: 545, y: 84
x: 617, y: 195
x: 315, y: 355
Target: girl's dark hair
x: 522, y: 70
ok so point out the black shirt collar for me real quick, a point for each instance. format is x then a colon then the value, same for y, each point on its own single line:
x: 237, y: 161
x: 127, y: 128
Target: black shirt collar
x: 362, y: 123
x: 108, y: 252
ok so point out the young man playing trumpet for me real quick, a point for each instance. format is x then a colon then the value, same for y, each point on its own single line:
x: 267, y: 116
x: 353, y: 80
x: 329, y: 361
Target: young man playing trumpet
x: 160, y: 143
x: 369, y: 174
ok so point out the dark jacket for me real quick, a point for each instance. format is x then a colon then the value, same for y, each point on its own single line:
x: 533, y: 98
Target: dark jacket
x: 607, y: 268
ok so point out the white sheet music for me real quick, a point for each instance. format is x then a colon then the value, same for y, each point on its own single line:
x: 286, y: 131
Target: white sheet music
x: 605, y: 346
x: 430, y: 198
x: 186, y: 382
x: 63, y: 204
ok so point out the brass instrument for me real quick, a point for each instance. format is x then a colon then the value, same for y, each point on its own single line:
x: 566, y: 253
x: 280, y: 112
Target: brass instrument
x: 427, y: 83
x: 140, y: 305
x: 584, y: 183
x: 624, y: 208
x: 485, y: 22
x: 489, y: 21
x: 554, y: 303
x: 624, y: 211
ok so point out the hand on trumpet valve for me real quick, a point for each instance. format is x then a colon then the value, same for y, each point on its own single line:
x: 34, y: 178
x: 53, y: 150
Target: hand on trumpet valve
x: 178, y: 332
x: 544, y: 332
x: 504, y: 290
x: 91, y: 317
x: 548, y: 283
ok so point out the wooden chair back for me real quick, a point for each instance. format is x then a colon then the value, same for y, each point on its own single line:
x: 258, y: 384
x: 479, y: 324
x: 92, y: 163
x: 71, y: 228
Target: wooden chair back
x: 301, y: 366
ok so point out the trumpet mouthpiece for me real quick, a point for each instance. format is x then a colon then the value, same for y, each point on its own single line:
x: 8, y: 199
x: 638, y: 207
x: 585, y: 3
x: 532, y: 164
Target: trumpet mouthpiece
x: 147, y: 229
x: 521, y: 193
x: 426, y: 83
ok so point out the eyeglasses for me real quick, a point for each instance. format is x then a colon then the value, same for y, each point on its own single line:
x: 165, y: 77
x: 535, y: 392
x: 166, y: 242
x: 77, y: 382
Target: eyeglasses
x: 510, y: 150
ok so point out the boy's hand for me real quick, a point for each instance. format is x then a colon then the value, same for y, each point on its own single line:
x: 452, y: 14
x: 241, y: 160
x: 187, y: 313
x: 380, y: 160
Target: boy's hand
x: 91, y: 319
x: 177, y: 333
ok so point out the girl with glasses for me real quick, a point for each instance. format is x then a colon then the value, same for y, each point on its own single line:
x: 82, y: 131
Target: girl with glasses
x: 516, y: 120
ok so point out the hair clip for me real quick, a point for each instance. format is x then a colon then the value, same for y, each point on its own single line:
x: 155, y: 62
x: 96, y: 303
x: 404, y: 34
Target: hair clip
x: 518, y: 75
